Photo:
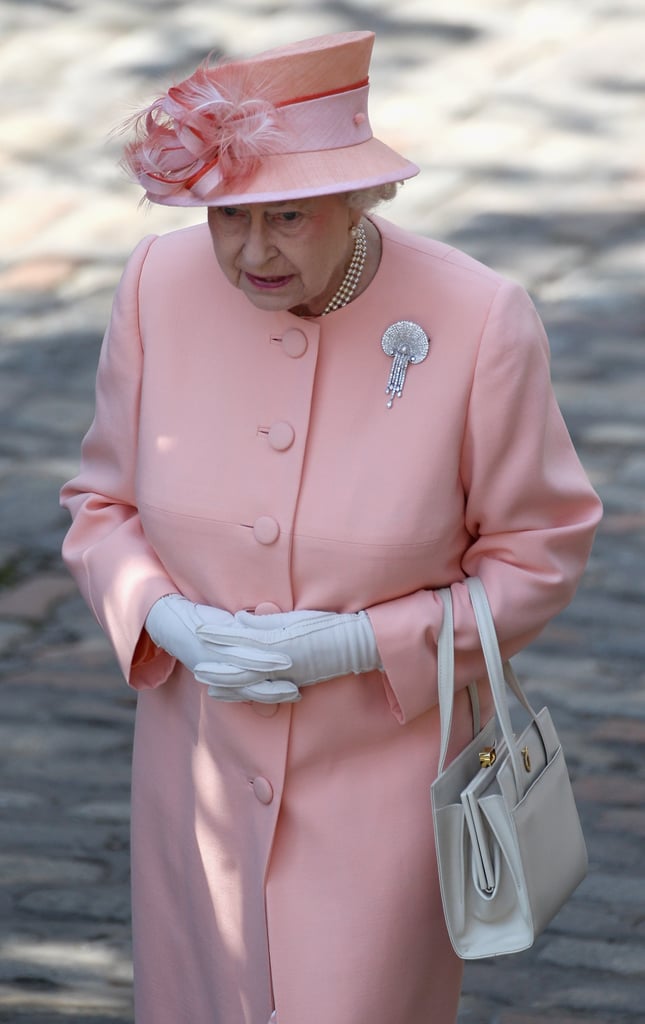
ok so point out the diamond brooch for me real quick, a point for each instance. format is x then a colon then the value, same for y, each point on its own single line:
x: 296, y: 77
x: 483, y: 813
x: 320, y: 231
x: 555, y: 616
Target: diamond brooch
x: 406, y: 342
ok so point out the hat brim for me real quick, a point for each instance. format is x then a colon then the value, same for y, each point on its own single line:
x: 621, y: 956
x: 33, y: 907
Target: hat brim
x: 300, y: 175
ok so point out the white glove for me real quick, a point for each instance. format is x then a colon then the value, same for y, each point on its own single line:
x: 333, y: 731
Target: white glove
x: 236, y: 672
x: 319, y: 645
x: 269, y: 691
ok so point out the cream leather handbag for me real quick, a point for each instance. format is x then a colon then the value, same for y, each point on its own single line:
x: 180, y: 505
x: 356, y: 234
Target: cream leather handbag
x: 510, y: 848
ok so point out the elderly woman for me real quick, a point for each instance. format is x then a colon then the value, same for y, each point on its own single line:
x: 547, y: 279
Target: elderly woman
x: 307, y: 421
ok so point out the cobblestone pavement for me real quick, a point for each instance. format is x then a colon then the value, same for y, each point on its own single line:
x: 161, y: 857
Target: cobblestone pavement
x: 527, y: 119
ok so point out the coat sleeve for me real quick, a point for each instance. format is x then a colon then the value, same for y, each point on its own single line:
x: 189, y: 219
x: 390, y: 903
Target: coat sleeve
x: 529, y: 508
x: 105, y: 549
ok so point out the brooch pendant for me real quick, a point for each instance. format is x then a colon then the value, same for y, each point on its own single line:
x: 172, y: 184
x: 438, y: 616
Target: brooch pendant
x: 406, y: 342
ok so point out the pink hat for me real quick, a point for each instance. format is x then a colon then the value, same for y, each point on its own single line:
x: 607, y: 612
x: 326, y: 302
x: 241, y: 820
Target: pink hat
x: 289, y: 123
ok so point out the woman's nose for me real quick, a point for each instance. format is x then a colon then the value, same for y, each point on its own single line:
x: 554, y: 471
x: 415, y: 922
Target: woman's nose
x: 257, y: 247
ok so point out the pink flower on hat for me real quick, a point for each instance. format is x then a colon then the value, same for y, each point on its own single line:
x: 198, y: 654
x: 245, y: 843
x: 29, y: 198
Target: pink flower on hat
x: 201, y: 133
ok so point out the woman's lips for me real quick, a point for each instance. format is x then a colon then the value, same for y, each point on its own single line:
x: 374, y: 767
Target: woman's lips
x: 268, y: 283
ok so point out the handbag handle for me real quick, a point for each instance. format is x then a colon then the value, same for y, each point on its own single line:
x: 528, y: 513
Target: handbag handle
x: 445, y: 673
x: 500, y: 674
x: 446, y: 678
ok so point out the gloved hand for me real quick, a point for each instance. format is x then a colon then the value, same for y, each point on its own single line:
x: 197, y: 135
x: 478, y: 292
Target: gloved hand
x: 269, y: 691
x: 236, y: 672
x: 319, y: 645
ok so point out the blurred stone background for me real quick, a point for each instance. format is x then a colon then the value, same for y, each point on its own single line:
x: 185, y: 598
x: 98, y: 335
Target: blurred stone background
x: 526, y: 118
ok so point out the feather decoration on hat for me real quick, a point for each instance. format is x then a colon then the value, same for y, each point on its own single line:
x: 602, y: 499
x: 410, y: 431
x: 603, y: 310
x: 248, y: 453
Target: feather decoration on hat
x: 201, y: 133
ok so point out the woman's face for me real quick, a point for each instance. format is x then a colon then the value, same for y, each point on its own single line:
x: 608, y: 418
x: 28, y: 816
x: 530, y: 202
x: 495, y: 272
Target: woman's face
x: 288, y: 255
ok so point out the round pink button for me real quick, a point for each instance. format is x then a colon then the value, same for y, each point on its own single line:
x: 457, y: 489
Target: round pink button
x: 267, y: 608
x: 281, y: 436
x: 265, y: 710
x: 263, y: 789
x: 294, y: 343
x: 266, y: 530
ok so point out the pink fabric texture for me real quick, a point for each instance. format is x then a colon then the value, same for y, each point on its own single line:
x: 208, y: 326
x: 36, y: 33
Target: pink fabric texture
x: 284, y: 857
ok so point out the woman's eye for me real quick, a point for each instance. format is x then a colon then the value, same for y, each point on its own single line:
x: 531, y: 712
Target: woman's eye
x: 228, y: 211
x: 289, y: 216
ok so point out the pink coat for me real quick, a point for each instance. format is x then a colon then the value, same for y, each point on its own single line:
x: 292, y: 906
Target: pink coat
x: 284, y: 855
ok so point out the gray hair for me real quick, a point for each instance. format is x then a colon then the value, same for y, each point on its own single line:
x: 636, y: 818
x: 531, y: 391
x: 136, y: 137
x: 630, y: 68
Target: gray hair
x: 367, y: 198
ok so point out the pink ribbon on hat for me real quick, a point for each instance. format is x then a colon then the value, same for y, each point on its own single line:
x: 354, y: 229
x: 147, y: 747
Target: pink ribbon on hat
x: 321, y: 122
x: 331, y: 121
x: 310, y: 125
x: 194, y: 139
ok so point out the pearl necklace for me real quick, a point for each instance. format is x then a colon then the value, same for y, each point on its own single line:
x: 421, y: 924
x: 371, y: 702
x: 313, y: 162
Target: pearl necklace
x: 352, y: 277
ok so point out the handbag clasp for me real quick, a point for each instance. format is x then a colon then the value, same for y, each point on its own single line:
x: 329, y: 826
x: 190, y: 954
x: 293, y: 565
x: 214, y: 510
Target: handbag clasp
x: 487, y: 757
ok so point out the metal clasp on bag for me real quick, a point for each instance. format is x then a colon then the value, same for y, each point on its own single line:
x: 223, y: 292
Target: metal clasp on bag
x: 487, y: 757
x: 526, y: 757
